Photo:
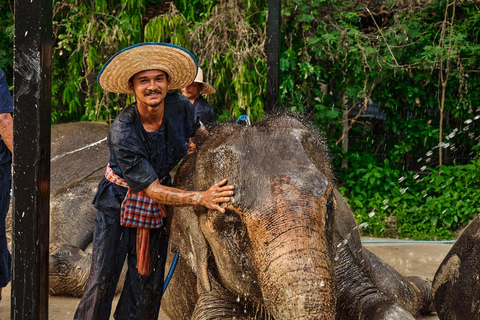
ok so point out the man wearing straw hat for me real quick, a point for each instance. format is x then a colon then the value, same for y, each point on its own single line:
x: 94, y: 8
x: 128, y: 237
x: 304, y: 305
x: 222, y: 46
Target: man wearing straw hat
x: 202, y: 108
x: 146, y: 141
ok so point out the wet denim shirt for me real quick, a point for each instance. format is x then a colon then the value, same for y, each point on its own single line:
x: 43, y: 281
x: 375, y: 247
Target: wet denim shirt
x: 204, y: 111
x: 6, y: 106
x: 140, y: 157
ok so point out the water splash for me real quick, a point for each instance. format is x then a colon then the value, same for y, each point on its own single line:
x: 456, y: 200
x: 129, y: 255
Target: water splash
x: 79, y: 149
x: 447, y: 145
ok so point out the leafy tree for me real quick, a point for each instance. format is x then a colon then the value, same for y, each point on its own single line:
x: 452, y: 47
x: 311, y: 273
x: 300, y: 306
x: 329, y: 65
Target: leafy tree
x: 6, y: 38
x: 86, y: 34
x: 415, y: 63
x: 228, y: 39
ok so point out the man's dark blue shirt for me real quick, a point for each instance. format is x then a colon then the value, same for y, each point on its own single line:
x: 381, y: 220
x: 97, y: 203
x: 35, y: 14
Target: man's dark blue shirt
x: 140, y: 157
x: 6, y: 106
x: 204, y: 112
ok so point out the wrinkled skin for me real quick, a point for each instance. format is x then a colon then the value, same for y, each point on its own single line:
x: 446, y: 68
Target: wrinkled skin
x: 287, y: 246
x: 456, y: 285
x: 79, y: 155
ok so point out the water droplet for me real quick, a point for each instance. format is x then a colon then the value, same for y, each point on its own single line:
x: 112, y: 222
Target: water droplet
x: 363, y: 225
x: 371, y: 214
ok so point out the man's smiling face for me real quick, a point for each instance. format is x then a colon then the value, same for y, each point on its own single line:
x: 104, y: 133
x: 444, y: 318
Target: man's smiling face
x: 150, y: 87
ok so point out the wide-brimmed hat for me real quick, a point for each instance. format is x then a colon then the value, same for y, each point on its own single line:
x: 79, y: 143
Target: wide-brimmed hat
x: 180, y: 65
x: 207, y: 87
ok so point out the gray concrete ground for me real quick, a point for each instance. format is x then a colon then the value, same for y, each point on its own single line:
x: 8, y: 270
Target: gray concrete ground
x: 420, y: 259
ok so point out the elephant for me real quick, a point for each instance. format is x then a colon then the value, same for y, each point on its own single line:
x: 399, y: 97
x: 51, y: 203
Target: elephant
x: 287, y: 246
x: 79, y: 156
x: 456, y: 284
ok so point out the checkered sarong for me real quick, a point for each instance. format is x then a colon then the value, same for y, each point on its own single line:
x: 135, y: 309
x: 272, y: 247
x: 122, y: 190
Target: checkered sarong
x: 137, y: 210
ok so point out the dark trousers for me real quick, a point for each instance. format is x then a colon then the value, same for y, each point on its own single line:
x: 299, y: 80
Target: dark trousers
x: 5, y: 256
x: 141, y: 295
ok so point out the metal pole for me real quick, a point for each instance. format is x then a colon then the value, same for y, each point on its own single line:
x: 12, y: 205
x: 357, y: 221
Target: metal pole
x: 31, y: 158
x: 273, y: 55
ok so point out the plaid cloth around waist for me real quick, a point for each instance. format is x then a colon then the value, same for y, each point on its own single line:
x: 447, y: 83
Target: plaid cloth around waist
x: 137, y: 210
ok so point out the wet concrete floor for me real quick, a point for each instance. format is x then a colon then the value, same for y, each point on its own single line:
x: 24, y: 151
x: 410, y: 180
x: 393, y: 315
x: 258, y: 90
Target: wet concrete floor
x: 410, y: 259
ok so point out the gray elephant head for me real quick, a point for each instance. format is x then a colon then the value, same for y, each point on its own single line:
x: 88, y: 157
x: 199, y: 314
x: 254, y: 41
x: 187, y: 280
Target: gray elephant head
x: 287, y: 246
x: 272, y: 249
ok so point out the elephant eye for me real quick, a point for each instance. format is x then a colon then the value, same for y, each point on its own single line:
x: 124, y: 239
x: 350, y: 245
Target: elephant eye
x: 230, y: 223
x: 330, y: 202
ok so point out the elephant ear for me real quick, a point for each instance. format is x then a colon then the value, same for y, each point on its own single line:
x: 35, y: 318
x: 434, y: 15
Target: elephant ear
x: 187, y: 239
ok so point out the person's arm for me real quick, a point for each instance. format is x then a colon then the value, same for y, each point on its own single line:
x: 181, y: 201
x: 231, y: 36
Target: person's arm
x: 212, y: 198
x: 6, y: 129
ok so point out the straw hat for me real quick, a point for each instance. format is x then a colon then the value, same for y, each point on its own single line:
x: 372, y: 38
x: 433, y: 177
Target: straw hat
x: 178, y: 63
x: 207, y: 87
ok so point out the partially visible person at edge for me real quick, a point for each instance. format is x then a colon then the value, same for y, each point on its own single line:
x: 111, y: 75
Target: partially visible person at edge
x: 6, y: 149
x: 146, y: 141
x: 201, y: 106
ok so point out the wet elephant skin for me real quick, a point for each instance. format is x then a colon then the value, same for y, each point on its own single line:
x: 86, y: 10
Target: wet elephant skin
x: 456, y: 285
x: 287, y: 246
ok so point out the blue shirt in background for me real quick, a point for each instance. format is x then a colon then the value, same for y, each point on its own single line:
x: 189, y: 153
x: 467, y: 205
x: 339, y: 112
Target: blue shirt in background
x: 6, y: 106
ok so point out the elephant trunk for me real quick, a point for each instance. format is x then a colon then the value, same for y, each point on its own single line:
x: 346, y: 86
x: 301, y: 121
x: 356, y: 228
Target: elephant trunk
x: 299, y: 282
x: 294, y: 261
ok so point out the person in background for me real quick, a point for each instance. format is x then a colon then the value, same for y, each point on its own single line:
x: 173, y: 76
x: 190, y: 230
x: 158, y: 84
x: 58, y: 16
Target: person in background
x: 146, y: 141
x: 6, y: 150
x: 202, y: 108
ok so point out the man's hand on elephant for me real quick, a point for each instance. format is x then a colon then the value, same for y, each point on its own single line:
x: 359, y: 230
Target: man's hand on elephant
x: 217, y: 194
x: 212, y: 198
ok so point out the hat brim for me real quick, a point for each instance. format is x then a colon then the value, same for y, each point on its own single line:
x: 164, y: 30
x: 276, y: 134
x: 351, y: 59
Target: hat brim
x: 207, y: 88
x: 180, y: 65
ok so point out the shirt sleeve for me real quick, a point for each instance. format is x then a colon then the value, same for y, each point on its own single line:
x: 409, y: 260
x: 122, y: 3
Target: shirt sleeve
x: 6, y: 101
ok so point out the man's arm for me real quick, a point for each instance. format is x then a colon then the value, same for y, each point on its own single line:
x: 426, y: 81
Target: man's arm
x: 212, y: 198
x: 6, y: 130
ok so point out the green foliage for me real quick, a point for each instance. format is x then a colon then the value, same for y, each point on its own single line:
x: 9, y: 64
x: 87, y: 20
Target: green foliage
x: 87, y: 34
x: 335, y: 55
x: 232, y: 59
x: 424, y: 206
x: 6, y: 38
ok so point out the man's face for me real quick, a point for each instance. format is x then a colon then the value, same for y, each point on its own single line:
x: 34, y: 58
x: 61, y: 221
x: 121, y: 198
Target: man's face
x: 150, y: 87
x: 192, y: 91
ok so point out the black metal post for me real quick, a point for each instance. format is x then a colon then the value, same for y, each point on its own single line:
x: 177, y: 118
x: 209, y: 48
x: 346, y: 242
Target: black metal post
x: 273, y: 55
x: 31, y: 158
